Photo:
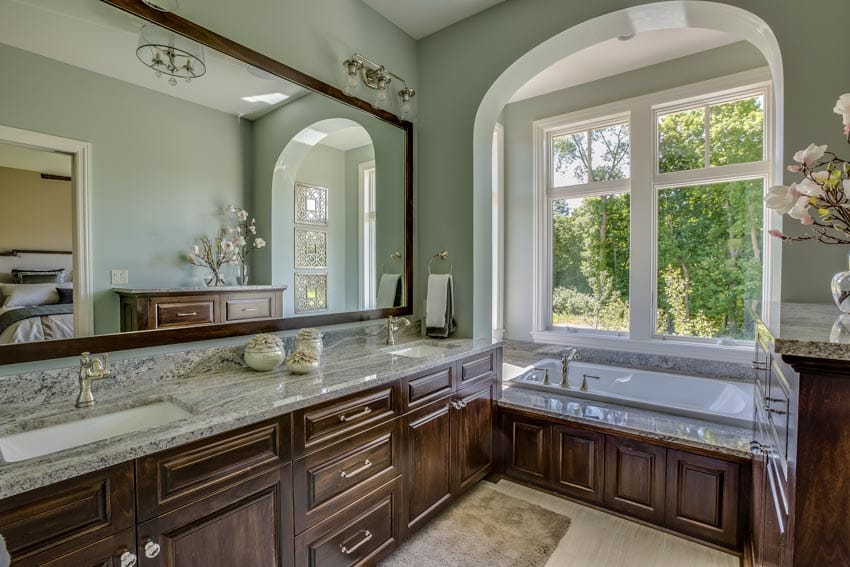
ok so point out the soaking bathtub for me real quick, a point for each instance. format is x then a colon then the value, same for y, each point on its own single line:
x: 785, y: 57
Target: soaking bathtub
x: 708, y: 399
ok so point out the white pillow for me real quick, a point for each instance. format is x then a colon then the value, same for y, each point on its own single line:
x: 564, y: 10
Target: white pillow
x: 22, y: 295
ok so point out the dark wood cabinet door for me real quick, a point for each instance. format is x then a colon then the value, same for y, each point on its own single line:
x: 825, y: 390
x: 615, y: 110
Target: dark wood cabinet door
x: 247, y: 525
x: 528, y: 448
x: 104, y: 553
x: 634, y: 478
x: 473, y: 435
x: 774, y: 527
x: 55, y: 520
x: 428, y: 461
x: 702, y: 497
x: 578, y: 460
x: 757, y: 508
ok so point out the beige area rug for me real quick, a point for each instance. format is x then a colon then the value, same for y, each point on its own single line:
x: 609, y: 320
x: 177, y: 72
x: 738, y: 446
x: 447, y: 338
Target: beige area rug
x: 485, y: 528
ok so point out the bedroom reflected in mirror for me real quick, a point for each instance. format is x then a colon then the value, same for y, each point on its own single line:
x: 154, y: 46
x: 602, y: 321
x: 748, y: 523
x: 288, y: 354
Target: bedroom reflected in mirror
x: 36, y: 234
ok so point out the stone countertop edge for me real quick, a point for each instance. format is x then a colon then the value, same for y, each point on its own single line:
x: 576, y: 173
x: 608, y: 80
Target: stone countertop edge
x: 805, y: 329
x: 365, y: 373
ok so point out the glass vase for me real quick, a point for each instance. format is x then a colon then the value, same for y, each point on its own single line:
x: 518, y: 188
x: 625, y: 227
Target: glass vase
x: 213, y: 278
x: 242, y: 276
x: 840, y: 287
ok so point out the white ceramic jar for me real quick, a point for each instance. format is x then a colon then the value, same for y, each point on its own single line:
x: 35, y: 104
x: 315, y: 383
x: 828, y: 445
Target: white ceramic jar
x: 264, y: 352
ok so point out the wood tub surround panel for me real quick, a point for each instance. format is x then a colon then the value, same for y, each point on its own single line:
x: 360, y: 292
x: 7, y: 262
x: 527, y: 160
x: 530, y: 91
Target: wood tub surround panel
x: 703, y: 497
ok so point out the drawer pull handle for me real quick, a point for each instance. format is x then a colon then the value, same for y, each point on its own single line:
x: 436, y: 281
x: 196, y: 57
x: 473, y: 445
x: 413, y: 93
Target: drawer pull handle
x: 367, y: 464
x: 128, y: 559
x: 151, y: 549
x: 454, y: 404
x: 759, y: 365
x: 776, y: 411
x: 367, y: 535
x: 192, y: 314
x: 366, y: 411
x: 248, y: 309
x: 769, y: 400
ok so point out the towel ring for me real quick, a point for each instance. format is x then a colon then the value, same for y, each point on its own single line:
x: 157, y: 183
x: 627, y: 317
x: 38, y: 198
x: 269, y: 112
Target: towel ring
x: 442, y: 255
x: 394, y: 256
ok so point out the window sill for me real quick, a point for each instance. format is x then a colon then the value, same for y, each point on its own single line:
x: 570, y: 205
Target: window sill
x: 686, y: 349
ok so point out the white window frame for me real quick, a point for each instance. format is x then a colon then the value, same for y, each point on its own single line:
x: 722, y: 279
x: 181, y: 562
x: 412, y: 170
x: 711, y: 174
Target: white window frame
x: 498, y: 250
x: 644, y: 182
x: 367, y: 237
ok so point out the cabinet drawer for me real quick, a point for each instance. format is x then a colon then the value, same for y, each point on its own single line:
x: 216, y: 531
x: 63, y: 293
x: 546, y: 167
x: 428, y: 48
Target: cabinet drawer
x: 49, y: 522
x: 320, y: 425
x: 241, y: 308
x: 330, y: 479
x: 179, y: 476
x: 359, y: 535
x: 422, y: 389
x: 479, y: 367
x: 185, y: 313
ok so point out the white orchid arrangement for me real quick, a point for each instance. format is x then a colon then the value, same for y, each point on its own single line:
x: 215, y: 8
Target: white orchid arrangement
x: 825, y: 187
x: 213, y: 254
x: 243, y: 232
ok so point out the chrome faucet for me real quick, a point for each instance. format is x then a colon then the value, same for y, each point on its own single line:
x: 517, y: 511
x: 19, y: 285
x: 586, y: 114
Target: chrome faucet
x: 393, y: 325
x: 545, y: 375
x: 91, y: 368
x: 584, y: 378
x: 566, y: 358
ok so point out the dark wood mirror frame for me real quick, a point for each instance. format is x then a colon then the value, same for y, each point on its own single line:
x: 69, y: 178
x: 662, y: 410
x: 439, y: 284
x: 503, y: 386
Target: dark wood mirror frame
x: 27, y: 352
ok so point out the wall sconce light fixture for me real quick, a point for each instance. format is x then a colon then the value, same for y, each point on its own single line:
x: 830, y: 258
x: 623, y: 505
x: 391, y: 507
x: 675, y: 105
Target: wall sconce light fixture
x: 360, y: 69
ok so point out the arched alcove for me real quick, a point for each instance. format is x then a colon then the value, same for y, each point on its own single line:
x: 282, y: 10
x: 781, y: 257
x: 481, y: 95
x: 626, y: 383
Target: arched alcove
x: 674, y: 14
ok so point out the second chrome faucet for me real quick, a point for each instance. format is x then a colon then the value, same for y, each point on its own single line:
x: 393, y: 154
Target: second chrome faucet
x: 566, y: 358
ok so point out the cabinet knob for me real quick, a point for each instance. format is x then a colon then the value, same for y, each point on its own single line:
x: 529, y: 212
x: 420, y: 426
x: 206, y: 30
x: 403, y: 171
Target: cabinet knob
x: 151, y: 549
x: 128, y: 559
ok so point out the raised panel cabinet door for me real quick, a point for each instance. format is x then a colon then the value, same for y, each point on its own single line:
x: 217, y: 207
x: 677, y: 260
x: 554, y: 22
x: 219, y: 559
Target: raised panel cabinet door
x: 248, y: 525
x: 113, y: 551
x: 579, y: 462
x: 702, y: 497
x: 473, y: 435
x: 529, y: 448
x: 428, y: 461
x: 634, y: 478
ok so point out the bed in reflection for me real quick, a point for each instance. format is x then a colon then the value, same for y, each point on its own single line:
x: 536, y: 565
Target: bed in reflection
x: 36, y: 305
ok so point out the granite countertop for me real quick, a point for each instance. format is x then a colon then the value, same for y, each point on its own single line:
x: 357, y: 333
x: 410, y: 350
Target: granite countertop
x: 654, y: 426
x: 221, y: 396
x: 808, y: 329
x: 188, y: 289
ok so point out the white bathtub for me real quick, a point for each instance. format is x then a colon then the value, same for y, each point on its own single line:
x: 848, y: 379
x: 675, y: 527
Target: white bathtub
x: 703, y: 398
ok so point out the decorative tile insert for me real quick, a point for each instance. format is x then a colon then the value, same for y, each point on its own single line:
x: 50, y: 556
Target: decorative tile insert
x: 311, y: 292
x: 311, y: 204
x: 311, y: 248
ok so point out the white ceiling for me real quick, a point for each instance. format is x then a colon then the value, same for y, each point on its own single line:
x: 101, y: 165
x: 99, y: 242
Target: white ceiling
x: 614, y: 56
x: 347, y: 138
x: 423, y: 17
x: 97, y: 37
x: 20, y: 157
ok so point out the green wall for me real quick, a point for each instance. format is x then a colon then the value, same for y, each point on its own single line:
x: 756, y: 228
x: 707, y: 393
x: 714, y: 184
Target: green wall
x: 458, y: 65
x: 140, y: 185
x: 519, y: 162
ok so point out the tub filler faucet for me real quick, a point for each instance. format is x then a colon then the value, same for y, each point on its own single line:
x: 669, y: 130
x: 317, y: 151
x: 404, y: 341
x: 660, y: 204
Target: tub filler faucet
x: 566, y: 358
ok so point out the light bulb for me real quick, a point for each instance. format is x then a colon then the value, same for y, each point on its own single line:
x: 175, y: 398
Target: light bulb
x: 380, y: 98
x: 405, y: 109
x: 350, y: 85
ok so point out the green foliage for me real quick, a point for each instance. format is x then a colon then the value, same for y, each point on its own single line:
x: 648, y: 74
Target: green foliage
x: 709, y: 237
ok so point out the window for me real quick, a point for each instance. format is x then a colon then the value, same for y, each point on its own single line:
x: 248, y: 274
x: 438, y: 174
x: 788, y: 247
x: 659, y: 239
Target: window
x: 651, y: 222
x: 368, y: 277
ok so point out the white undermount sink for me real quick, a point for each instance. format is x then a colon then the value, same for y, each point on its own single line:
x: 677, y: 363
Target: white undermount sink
x: 419, y: 351
x: 51, y: 439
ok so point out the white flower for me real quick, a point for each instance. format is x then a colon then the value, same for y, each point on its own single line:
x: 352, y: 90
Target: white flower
x: 800, y: 210
x: 810, y: 154
x: 240, y: 241
x: 810, y: 188
x: 227, y: 245
x: 259, y: 243
x: 195, y: 249
x: 846, y: 184
x: 242, y: 215
x: 781, y: 198
x: 842, y: 107
x: 821, y: 176
x: 252, y: 229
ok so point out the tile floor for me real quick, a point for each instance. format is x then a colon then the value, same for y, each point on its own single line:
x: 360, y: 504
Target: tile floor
x: 598, y: 539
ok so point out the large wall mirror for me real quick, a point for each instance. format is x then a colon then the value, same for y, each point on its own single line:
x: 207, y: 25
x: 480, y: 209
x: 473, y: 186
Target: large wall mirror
x: 161, y: 183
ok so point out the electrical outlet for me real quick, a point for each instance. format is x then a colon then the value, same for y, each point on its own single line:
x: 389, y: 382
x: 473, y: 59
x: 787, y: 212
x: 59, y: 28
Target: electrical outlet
x: 119, y: 277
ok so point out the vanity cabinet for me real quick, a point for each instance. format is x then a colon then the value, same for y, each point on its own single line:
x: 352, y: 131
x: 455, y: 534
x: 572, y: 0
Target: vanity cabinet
x: 146, y: 309
x: 690, y: 492
x: 339, y: 483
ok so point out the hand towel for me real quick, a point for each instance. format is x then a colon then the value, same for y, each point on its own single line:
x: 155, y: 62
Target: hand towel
x: 439, y: 306
x: 388, y: 290
x: 5, y: 560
